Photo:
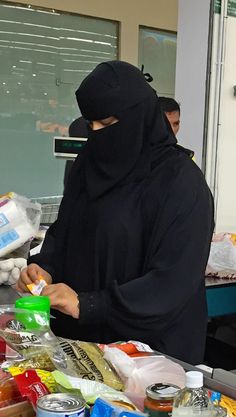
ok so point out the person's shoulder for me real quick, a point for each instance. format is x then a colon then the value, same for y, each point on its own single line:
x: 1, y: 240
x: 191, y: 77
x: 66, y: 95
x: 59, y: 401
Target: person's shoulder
x: 177, y: 173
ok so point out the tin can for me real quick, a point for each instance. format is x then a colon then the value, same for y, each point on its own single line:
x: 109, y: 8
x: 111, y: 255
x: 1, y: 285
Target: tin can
x: 159, y: 399
x: 60, y: 405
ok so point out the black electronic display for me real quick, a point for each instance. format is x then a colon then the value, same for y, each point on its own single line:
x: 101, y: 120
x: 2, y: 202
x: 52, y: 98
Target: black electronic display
x: 67, y: 147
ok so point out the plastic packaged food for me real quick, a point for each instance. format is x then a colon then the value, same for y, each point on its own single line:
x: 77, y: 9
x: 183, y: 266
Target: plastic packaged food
x: 19, y: 221
x: 90, y: 390
x: 159, y: 399
x: 28, y: 333
x: 229, y: 404
x: 36, y: 289
x: 103, y: 408
x: 90, y: 363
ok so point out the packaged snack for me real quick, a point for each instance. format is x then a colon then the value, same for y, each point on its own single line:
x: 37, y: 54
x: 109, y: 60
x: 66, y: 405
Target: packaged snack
x: 90, y: 363
x: 132, y: 348
x: 36, y: 289
x: 229, y: 404
x: 45, y: 377
x: 28, y: 333
x: 103, y: 408
x: 90, y: 390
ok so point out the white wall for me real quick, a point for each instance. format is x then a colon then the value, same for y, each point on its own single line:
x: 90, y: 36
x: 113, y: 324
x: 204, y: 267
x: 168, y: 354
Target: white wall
x: 192, y: 45
x: 226, y: 161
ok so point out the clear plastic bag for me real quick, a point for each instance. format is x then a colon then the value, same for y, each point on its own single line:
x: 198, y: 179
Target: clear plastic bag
x: 32, y: 342
x: 222, y: 254
x: 19, y: 221
x: 139, y: 372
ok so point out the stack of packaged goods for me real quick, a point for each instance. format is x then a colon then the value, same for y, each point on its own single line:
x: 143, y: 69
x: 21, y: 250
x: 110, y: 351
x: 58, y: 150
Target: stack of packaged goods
x: 47, y: 376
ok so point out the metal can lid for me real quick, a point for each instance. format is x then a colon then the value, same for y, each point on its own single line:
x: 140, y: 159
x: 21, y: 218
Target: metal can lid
x: 61, y: 402
x: 162, y: 391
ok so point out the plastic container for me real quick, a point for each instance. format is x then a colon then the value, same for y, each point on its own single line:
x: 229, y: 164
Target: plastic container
x: 32, y: 303
x: 193, y: 399
x: 159, y: 399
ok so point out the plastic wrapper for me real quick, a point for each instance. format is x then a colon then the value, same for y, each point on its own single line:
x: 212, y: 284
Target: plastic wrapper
x: 34, y: 383
x: 90, y: 390
x: 33, y: 344
x: 139, y: 372
x: 132, y: 348
x: 229, y: 404
x: 222, y: 255
x: 103, y: 408
x: 90, y: 363
x: 19, y: 221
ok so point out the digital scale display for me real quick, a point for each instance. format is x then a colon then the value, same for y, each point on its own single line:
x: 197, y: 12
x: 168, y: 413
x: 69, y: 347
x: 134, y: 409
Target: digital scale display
x: 67, y: 147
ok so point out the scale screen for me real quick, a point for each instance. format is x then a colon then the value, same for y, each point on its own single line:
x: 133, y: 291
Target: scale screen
x: 67, y: 147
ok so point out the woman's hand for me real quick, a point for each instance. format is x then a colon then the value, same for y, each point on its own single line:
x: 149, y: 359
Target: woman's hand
x: 29, y: 275
x: 63, y: 298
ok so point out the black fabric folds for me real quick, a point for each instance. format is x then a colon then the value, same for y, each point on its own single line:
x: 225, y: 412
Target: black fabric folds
x: 134, y: 228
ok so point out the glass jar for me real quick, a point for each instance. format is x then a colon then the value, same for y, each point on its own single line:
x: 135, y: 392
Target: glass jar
x: 159, y: 399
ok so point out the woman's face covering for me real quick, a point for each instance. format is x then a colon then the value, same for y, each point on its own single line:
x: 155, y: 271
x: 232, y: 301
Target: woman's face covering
x: 100, y: 124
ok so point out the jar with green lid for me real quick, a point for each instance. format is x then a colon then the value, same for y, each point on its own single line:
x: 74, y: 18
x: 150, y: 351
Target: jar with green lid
x: 34, y: 304
x: 159, y: 399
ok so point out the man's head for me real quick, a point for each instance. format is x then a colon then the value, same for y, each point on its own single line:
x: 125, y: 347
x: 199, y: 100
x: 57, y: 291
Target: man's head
x: 172, y: 111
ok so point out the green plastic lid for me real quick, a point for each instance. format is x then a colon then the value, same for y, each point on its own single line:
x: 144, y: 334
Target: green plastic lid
x: 33, y: 303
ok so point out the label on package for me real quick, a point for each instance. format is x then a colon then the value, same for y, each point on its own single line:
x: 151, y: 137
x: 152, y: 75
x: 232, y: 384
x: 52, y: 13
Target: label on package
x: 3, y: 220
x: 7, y: 238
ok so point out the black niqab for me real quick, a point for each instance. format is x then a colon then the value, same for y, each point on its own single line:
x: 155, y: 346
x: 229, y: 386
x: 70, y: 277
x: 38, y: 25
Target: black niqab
x: 122, y: 151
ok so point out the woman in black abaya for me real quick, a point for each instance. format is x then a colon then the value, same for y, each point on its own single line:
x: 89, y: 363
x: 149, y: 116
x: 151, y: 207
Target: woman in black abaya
x: 127, y: 255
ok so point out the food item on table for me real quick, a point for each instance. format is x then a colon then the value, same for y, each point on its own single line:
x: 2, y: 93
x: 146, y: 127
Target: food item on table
x: 229, y: 404
x: 104, y: 408
x: 61, y: 405
x: 89, y: 362
x: 36, y: 289
x: 159, y: 399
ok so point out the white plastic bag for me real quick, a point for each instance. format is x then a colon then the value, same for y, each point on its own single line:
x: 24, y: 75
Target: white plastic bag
x: 139, y: 372
x: 19, y: 221
x: 223, y: 253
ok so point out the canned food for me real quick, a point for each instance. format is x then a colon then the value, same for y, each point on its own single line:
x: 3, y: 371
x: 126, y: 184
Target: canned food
x: 60, y: 405
x: 159, y: 399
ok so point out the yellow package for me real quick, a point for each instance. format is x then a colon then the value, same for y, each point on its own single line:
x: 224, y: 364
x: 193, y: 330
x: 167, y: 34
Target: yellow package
x: 229, y: 404
x: 45, y: 376
x: 36, y: 289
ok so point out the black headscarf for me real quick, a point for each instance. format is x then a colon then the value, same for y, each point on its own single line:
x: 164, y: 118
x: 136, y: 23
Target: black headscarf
x: 123, y: 151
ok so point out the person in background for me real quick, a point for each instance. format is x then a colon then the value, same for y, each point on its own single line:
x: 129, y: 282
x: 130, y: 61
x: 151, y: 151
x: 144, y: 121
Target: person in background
x: 127, y: 255
x: 77, y: 129
x: 172, y: 111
